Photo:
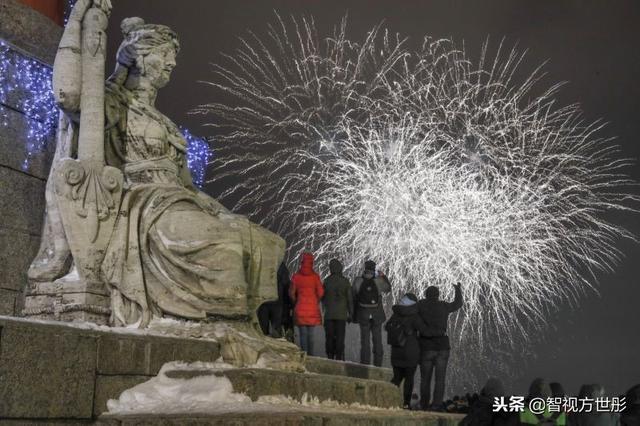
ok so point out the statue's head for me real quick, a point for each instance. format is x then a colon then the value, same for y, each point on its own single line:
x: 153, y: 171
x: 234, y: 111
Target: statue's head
x: 148, y: 50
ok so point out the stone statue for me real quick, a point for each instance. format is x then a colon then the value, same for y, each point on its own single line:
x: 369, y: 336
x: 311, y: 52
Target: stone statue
x: 127, y: 237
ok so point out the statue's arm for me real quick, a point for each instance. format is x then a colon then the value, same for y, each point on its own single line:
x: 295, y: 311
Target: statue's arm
x: 67, y: 67
x: 185, y: 175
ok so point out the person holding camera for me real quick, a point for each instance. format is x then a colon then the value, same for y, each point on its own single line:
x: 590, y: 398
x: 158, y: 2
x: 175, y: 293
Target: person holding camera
x: 434, y: 349
x: 369, y: 313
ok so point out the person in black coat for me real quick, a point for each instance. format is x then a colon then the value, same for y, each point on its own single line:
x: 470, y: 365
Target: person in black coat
x: 434, y: 349
x: 338, y: 309
x: 272, y: 315
x: 405, y: 358
x: 368, y: 290
x: 631, y: 414
x: 481, y: 411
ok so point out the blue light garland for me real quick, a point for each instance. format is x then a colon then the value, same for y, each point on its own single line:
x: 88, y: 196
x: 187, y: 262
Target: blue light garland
x: 67, y: 10
x: 25, y: 87
x: 198, y: 156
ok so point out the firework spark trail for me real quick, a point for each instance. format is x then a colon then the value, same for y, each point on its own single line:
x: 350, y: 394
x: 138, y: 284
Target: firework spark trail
x: 442, y: 171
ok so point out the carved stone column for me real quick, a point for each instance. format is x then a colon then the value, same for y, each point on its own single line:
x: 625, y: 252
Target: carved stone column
x: 88, y: 194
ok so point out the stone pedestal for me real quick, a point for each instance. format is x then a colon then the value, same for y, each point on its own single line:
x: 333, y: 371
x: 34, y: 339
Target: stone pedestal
x: 68, y: 299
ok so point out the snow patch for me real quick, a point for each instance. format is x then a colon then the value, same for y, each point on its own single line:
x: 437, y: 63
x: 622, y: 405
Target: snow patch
x: 163, y: 394
x: 209, y: 393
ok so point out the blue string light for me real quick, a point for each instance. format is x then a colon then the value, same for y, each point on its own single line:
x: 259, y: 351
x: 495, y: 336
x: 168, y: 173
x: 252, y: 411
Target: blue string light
x: 198, y: 156
x: 25, y: 87
x: 67, y: 10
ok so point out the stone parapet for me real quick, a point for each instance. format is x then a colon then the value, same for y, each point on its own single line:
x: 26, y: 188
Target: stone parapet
x: 57, y: 371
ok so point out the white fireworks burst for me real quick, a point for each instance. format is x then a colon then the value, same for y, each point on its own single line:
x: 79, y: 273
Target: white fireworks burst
x: 440, y: 170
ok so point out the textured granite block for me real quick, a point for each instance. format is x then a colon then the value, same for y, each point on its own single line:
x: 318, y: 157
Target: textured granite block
x: 349, y: 369
x: 21, y: 202
x: 29, y: 30
x: 14, y: 128
x: 18, y: 250
x: 7, y: 302
x: 145, y: 355
x: 46, y: 372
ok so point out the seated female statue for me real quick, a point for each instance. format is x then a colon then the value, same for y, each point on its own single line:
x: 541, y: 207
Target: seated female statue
x: 173, y: 250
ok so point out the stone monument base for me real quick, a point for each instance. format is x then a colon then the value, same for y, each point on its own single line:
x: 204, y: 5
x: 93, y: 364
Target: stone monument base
x: 60, y: 373
x: 68, y: 299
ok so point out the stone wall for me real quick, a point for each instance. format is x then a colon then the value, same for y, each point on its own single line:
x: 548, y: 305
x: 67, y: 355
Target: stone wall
x: 30, y: 34
x: 50, y: 371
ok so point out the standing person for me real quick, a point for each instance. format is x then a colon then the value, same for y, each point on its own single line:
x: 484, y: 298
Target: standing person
x: 434, y: 350
x: 481, y: 411
x: 631, y: 414
x: 270, y: 313
x: 402, y: 334
x: 367, y: 301
x: 338, y: 309
x: 592, y: 417
x: 540, y: 389
x: 306, y: 291
x: 287, y: 304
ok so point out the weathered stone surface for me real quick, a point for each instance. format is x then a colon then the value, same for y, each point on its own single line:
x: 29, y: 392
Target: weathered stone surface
x: 29, y: 30
x: 208, y: 263
x: 349, y: 369
x: 61, y: 286
x: 7, y: 302
x: 13, y: 149
x: 110, y: 387
x: 21, y: 202
x: 256, y: 382
x: 47, y: 422
x: 18, y: 249
x: 68, y: 299
x: 45, y: 372
x: 317, y: 417
x: 132, y: 355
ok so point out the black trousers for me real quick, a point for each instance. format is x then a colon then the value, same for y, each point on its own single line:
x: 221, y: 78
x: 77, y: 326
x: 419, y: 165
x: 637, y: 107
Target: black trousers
x: 270, y: 319
x: 334, y: 338
x: 431, y: 361
x: 371, y: 329
x: 405, y: 374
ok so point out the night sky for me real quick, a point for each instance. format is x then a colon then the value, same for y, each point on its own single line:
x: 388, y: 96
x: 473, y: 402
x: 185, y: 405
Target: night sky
x: 592, y: 45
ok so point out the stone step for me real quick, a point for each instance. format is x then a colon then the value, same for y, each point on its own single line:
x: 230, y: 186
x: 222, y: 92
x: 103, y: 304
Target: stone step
x: 348, y: 369
x: 255, y: 383
x: 288, y: 417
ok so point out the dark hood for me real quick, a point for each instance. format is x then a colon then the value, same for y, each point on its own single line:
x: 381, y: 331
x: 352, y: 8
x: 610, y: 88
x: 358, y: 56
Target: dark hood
x: 306, y: 265
x: 539, y: 388
x: 335, y: 267
x: 283, y: 274
x: 405, y: 311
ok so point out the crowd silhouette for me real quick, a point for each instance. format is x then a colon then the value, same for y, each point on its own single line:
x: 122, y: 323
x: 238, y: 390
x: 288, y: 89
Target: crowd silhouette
x: 417, y: 335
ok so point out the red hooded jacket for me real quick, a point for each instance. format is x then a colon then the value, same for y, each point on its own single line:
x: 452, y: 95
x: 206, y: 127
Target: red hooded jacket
x: 306, y: 291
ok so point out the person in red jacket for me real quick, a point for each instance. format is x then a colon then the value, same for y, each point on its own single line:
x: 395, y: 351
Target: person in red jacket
x: 305, y: 291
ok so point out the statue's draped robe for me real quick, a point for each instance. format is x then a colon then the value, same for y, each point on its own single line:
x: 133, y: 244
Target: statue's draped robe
x: 175, y: 250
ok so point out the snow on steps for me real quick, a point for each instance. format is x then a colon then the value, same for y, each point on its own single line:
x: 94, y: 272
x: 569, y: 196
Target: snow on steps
x: 256, y: 383
x: 218, y: 394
